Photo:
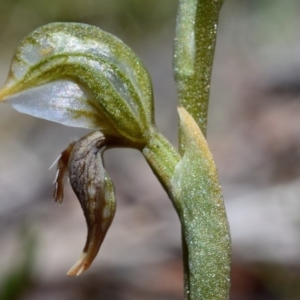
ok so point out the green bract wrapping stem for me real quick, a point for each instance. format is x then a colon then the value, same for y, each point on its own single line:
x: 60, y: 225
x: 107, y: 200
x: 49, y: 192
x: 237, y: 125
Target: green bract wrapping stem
x: 205, y: 229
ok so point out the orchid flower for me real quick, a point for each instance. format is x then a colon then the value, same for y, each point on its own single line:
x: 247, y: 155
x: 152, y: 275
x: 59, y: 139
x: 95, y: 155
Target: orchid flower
x: 81, y: 76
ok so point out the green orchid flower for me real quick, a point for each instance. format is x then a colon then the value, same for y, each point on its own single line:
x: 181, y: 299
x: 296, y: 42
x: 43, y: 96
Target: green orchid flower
x: 81, y: 76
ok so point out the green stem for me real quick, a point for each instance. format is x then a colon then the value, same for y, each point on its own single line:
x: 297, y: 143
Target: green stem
x: 162, y: 158
x: 194, y: 46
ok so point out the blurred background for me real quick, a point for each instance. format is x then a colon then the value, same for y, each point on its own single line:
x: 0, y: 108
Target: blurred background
x: 254, y: 134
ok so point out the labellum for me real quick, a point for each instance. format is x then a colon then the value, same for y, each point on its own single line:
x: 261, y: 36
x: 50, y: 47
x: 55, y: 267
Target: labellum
x: 82, y: 163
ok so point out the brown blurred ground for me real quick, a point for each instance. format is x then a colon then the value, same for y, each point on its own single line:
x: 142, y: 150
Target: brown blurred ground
x: 254, y: 133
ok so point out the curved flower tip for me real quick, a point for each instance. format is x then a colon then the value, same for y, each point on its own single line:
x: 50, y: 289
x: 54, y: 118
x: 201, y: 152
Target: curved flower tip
x: 93, y: 188
x: 97, y: 229
x: 79, y: 266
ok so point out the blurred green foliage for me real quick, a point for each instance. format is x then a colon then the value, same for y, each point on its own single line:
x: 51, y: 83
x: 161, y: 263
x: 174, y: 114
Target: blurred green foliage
x: 127, y: 17
x: 19, y: 278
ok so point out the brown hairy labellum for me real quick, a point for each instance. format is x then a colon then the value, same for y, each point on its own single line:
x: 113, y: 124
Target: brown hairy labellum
x: 93, y: 187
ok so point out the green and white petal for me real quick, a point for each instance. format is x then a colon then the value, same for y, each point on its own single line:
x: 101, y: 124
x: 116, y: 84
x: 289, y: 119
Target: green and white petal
x: 61, y: 101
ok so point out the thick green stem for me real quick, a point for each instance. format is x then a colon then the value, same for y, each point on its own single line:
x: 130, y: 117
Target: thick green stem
x: 205, y: 231
x: 194, y: 46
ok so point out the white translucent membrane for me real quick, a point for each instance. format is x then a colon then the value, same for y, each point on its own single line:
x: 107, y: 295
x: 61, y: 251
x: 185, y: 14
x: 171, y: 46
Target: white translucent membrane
x: 60, y: 101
